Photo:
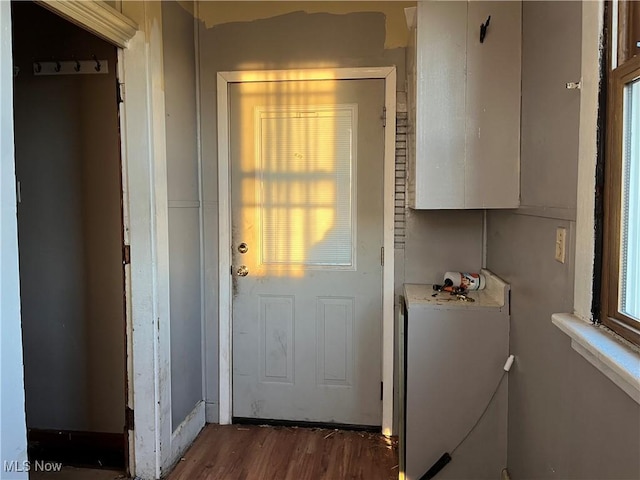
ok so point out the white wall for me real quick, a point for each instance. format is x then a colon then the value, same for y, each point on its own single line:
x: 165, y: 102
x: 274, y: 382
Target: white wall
x: 13, y: 435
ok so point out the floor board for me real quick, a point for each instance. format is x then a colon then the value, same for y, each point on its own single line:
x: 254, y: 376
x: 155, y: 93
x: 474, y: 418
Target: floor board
x: 245, y: 452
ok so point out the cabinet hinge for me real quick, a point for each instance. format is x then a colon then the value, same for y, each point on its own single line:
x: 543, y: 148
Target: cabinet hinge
x: 128, y: 419
x: 382, y: 256
x: 384, y: 117
x: 126, y: 255
x: 119, y: 92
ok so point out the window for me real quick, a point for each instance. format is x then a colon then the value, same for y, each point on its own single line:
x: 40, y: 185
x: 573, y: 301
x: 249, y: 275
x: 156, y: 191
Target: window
x: 621, y: 262
x: 307, y: 164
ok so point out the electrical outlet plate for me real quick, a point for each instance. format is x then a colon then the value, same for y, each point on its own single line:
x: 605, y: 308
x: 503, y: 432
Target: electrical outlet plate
x: 561, y: 240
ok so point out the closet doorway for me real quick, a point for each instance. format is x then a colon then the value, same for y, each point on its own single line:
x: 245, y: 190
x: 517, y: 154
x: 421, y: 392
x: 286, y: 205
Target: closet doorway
x: 70, y: 236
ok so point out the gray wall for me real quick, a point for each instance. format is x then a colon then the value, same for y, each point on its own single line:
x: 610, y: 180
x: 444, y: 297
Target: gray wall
x: 438, y: 241
x: 566, y: 419
x: 70, y: 229
x: 435, y: 242
x: 184, y: 211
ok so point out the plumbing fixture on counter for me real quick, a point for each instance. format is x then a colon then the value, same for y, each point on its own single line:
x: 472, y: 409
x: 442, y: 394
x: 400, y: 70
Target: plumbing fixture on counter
x: 465, y: 280
x: 459, y: 283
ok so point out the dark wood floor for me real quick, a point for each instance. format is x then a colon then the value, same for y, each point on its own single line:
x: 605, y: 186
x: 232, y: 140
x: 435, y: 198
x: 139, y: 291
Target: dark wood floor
x: 238, y: 452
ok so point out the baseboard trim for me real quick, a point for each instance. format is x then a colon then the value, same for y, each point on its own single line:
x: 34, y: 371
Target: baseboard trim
x: 212, y: 411
x: 78, y: 449
x: 187, y: 431
x: 296, y: 423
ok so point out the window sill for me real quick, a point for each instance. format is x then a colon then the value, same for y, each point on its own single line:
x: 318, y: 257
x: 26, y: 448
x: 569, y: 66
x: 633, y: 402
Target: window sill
x: 601, y: 347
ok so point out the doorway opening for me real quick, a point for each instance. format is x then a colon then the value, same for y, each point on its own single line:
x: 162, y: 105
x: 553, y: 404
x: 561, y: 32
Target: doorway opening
x: 70, y: 238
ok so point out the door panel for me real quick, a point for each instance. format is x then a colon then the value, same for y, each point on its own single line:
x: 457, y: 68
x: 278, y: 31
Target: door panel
x: 307, y: 200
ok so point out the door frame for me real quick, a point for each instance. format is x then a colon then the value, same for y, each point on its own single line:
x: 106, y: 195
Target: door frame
x: 137, y: 32
x: 388, y: 74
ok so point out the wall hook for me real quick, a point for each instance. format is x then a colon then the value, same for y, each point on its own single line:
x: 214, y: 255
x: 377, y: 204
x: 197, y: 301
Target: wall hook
x: 77, y: 67
x: 98, y: 66
x: 483, y: 29
x: 58, y: 67
x: 38, y: 67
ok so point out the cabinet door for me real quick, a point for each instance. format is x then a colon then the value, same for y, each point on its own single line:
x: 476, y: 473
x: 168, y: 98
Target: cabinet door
x: 437, y: 170
x: 492, y: 178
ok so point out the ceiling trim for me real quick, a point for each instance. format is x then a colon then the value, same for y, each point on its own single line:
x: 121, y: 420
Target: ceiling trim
x: 97, y: 17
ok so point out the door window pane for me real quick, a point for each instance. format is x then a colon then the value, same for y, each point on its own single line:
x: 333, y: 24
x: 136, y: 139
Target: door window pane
x: 306, y: 157
x: 630, y: 238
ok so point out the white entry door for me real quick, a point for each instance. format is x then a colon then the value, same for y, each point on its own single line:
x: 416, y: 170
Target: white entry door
x: 307, y: 236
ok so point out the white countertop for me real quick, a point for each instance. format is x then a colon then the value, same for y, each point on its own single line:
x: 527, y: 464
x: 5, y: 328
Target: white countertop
x: 495, y: 295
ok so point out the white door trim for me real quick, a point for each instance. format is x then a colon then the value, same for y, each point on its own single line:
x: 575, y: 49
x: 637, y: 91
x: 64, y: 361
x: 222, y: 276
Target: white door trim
x: 97, y: 17
x: 388, y: 74
x: 144, y: 155
x: 139, y: 29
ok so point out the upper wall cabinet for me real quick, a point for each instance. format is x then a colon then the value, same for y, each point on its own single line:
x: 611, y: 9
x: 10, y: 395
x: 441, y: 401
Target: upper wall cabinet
x: 464, y: 105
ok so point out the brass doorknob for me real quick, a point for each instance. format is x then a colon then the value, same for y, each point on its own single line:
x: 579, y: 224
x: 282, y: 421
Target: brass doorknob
x: 242, y: 271
x: 243, y: 248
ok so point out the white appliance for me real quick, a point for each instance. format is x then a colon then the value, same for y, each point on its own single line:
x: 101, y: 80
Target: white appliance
x: 452, y: 354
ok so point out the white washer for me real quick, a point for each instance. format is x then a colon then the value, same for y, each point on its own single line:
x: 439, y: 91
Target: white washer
x: 452, y: 354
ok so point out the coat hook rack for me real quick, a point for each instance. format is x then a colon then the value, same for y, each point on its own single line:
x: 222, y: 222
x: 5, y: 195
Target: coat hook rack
x: 71, y: 67
x: 483, y: 29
